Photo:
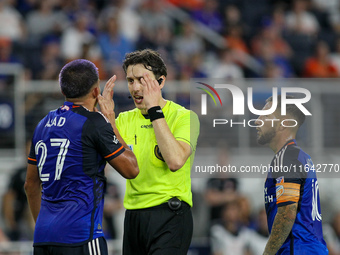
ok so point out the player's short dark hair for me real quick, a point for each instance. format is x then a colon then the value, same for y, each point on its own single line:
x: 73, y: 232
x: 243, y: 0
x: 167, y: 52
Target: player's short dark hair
x: 150, y: 59
x: 291, y: 109
x: 77, y: 78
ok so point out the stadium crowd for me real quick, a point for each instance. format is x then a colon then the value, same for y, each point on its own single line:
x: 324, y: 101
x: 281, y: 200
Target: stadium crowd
x: 262, y: 39
x: 296, y: 38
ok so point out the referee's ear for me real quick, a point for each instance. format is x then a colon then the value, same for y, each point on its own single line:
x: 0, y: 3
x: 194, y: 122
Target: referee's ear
x: 162, y: 78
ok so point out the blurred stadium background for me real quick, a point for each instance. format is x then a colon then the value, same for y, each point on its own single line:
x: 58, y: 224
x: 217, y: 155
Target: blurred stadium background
x: 262, y: 43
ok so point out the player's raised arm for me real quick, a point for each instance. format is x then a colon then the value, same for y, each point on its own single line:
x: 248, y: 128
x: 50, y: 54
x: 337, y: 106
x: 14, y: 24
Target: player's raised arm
x: 125, y: 163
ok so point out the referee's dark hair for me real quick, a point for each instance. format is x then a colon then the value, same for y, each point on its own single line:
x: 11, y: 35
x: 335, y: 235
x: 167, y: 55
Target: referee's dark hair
x: 77, y: 78
x: 150, y: 59
x: 291, y: 109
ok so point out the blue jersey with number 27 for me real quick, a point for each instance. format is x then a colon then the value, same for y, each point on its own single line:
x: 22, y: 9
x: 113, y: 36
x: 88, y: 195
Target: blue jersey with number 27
x: 70, y: 147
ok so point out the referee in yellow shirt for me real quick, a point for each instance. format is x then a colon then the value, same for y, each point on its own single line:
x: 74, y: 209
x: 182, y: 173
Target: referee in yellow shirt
x: 163, y: 136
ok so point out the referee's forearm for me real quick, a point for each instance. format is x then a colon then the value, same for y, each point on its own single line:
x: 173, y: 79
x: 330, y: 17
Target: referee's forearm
x: 172, y: 151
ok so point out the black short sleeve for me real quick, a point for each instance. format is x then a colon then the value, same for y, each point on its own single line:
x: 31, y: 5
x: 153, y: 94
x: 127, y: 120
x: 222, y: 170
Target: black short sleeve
x: 31, y: 156
x: 105, y: 140
x: 289, y: 167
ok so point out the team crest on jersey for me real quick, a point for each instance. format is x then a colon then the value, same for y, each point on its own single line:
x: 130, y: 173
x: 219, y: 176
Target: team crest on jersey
x: 115, y: 139
x: 65, y: 107
x: 279, y: 191
x: 281, y: 179
x: 158, y: 153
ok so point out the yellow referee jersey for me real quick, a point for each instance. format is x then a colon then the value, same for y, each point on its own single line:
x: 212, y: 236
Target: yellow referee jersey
x: 156, y: 183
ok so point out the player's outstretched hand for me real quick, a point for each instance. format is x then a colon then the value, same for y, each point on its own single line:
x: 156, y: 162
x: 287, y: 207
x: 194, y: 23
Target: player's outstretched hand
x: 106, y: 102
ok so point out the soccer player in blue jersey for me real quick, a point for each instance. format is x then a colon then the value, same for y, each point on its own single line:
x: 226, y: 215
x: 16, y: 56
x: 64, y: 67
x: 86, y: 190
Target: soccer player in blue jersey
x: 291, y: 198
x: 65, y: 175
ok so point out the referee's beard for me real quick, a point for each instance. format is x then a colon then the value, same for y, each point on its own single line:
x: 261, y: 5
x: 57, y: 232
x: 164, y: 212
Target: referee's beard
x: 265, y: 138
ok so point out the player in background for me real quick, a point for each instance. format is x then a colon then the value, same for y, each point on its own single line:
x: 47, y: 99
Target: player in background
x: 163, y: 136
x: 65, y: 179
x: 291, y: 198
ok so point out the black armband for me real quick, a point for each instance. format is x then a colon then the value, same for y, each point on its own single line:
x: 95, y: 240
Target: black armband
x: 155, y: 113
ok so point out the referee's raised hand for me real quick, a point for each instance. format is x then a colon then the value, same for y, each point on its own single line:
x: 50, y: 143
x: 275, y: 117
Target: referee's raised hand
x: 151, y: 91
x: 106, y: 102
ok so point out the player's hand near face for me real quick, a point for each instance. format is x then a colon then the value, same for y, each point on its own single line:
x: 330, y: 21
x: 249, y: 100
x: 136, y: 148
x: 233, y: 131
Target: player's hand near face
x: 126, y: 163
x: 151, y: 91
x: 106, y: 102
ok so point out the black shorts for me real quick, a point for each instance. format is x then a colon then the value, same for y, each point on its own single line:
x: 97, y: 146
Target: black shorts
x: 97, y: 246
x: 158, y: 231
